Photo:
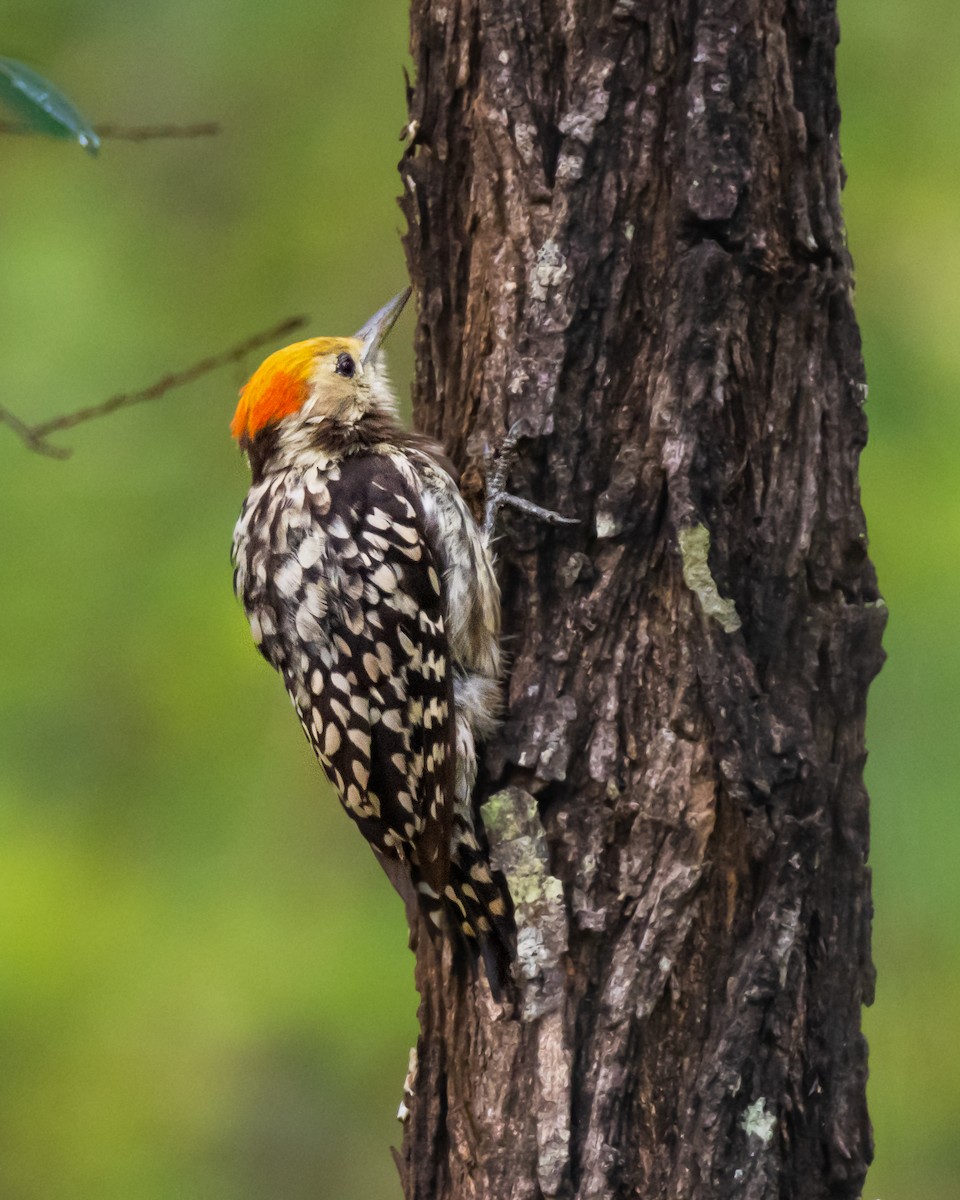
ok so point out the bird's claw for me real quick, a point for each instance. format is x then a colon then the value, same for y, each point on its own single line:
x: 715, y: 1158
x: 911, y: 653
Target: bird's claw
x: 497, y: 495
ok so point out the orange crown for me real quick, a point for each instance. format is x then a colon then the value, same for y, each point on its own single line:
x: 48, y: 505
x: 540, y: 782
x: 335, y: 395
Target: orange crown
x: 277, y: 388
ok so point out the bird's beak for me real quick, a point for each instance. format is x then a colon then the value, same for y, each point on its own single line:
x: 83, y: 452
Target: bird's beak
x: 373, y: 334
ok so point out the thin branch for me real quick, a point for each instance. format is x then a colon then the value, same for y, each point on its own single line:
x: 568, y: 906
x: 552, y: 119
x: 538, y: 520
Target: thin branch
x: 30, y: 436
x: 34, y: 436
x: 131, y: 133
x: 146, y: 133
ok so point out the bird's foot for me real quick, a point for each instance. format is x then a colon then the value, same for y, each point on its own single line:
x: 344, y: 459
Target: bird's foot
x: 497, y: 495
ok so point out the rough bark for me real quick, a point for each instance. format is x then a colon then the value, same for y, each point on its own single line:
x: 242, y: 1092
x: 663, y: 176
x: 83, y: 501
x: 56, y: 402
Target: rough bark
x: 625, y: 229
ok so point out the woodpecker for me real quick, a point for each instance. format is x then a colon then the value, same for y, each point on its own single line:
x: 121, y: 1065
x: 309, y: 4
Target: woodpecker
x: 371, y: 590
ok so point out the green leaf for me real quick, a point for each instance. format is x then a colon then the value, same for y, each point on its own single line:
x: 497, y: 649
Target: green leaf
x: 45, y: 108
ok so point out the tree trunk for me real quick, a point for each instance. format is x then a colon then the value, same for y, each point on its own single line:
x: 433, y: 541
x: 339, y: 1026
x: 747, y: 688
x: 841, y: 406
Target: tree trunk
x: 625, y: 229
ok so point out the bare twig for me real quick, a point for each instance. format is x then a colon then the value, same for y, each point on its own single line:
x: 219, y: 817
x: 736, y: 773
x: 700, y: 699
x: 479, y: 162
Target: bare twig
x: 131, y: 133
x: 34, y: 436
x: 146, y: 133
x: 30, y: 436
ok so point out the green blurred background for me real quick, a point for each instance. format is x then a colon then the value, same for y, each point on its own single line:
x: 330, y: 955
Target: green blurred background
x: 204, y: 985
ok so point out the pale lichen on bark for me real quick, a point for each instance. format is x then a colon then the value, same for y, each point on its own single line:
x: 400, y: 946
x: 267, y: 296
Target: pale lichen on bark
x: 519, y: 850
x: 694, y: 551
x: 757, y: 1122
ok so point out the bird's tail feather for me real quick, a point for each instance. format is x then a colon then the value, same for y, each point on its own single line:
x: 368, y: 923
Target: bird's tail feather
x: 479, y: 906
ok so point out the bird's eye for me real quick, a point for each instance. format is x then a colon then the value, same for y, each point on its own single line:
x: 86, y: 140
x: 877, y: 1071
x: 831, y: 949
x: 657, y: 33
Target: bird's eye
x: 345, y: 366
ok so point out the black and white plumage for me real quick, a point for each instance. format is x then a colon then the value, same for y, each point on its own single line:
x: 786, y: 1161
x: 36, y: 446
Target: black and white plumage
x: 370, y: 588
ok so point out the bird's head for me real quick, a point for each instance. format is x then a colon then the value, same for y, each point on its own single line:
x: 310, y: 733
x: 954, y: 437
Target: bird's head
x: 324, y: 381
